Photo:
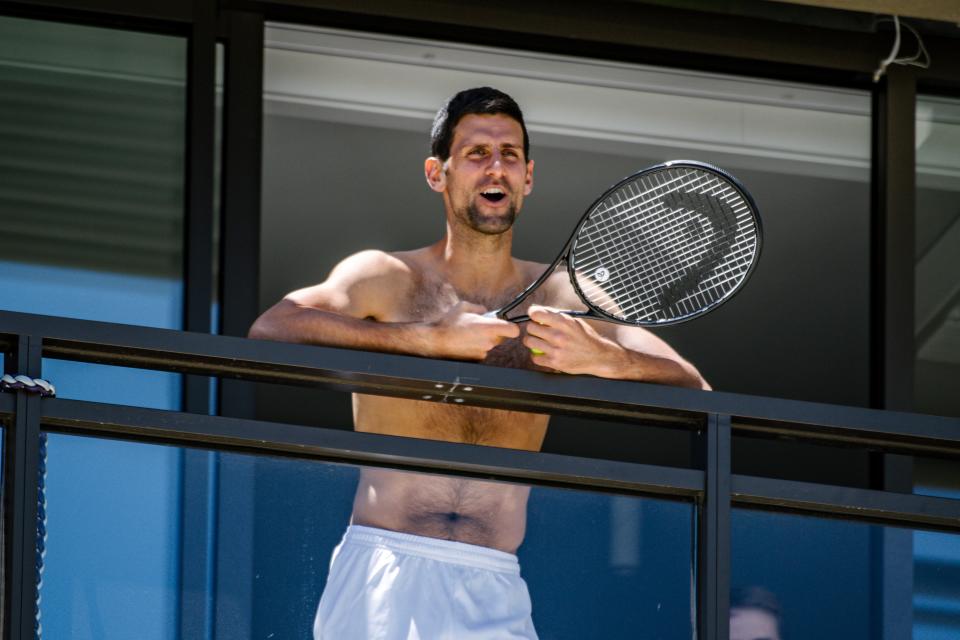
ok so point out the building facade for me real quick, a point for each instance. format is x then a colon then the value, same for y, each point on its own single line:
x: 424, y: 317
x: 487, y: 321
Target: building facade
x: 169, y: 171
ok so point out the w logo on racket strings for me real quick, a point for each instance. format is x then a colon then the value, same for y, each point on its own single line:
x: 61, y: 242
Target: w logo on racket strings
x: 723, y: 223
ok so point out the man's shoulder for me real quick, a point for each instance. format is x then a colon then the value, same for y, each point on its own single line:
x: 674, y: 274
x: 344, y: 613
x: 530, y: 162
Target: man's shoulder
x: 377, y: 264
x: 556, y: 289
x: 530, y: 270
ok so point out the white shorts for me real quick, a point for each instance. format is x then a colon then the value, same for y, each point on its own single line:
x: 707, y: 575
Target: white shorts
x: 385, y: 585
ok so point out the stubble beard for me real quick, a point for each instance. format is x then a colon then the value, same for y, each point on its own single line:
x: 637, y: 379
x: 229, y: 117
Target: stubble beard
x: 491, y: 225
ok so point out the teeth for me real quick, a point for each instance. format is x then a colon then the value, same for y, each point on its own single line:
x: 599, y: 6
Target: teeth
x: 492, y: 190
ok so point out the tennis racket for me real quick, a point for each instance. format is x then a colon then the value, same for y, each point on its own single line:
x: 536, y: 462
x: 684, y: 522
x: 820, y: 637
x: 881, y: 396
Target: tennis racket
x: 663, y: 246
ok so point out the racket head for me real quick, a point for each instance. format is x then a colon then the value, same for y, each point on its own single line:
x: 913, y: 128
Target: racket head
x: 665, y: 245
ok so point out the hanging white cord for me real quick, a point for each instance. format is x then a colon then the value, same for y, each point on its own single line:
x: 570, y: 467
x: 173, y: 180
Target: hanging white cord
x: 913, y: 61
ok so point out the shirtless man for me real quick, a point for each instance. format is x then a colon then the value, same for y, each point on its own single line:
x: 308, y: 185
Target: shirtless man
x: 427, y: 556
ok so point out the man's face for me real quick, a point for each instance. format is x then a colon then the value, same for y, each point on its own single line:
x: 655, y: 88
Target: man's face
x: 486, y: 177
x: 748, y: 623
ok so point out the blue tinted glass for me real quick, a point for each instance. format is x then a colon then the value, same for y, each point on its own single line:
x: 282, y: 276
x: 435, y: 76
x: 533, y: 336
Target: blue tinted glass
x: 117, y: 385
x: 242, y: 549
x: 841, y: 579
x: 936, y: 557
x: 111, y: 568
x: 603, y: 566
x: 936, y: 599
x: 91, y: 295
x: 595, y: 565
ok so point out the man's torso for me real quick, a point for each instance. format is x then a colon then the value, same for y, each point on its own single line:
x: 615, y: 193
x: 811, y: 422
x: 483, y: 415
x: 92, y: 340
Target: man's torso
x: 477, y: 512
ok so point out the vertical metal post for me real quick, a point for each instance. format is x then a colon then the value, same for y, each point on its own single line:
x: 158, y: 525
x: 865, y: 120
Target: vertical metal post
x: 200, y: 150
x: 21, y: 468
x: 197, y: 515
x: 240, y: 256
x: 893, y: 230
x: 893, y: 347
x: 240, y: 303
x: 713, y: 543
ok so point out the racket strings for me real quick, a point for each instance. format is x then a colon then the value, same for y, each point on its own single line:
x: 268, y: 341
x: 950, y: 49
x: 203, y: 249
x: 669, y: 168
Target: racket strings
x: 616, y: 208
x: 651, y: 230
x: 651, y: 241
x: 658, y: 235
x: 671, y: 292
x: 651, y: 227
x: 663, y: 233
x: 713, y: 288
x: 722, y: 219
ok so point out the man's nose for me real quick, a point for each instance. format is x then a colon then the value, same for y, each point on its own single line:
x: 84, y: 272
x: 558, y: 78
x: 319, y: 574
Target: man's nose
x: 495, y: 167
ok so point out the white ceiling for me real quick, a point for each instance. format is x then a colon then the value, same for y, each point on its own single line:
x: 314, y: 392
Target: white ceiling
x: 596, y: 105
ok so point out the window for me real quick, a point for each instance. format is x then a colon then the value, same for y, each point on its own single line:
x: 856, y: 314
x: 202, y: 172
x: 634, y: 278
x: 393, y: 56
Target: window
x: 91, y: 194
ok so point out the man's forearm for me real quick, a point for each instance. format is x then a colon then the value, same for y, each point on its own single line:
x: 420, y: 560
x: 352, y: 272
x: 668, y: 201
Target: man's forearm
x: 632, y: 365
x: 290, y: 322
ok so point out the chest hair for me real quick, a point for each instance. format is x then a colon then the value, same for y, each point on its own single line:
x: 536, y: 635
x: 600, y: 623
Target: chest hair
x: 432, y: 298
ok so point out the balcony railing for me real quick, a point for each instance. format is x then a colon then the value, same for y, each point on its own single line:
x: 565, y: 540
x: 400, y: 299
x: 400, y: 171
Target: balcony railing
x: 712, y: 416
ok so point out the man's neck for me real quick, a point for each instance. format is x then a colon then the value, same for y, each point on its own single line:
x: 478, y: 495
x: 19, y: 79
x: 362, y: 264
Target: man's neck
x: 478, y: 265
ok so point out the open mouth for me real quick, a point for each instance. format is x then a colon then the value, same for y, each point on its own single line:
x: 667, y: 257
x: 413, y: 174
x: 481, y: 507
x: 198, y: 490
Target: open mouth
x: 493, y: 194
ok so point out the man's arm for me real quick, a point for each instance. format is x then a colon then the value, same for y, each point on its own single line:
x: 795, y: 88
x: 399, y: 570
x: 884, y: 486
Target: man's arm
x: 353, y: 306
x: 576, y: 346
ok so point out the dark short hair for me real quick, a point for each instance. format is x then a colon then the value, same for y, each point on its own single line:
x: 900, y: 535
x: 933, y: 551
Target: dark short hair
x: 480, y: 100
x: 755, y: 597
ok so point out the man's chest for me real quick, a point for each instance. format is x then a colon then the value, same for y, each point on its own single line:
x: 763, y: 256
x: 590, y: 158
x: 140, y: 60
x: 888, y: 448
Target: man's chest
x: 431, y: 299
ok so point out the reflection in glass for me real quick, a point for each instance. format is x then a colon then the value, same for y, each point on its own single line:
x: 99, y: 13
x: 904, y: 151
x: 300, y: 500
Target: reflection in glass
x: 935, y: 591
x: 755, y: 614
x: 253, y: 555
x: 91, y: 146
x: 92, y: 126
x: 845, y: 579
x: 91, y: 180
x: 937, y: 326
x: 937, y: 311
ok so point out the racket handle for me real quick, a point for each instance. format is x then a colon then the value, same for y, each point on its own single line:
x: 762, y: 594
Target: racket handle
x: 499, y: 315
x: 526, y: 318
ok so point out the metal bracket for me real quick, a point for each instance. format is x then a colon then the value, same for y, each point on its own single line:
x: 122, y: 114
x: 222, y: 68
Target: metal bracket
x: 445, y: 391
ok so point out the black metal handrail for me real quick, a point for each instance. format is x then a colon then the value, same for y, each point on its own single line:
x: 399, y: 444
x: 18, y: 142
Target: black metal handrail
x: 475, y: 384
x: 368, y: 449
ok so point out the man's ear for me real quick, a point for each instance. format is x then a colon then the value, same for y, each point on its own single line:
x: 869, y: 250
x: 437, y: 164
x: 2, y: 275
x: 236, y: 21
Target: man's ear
x: 528, y: 181
x: 435, y: 174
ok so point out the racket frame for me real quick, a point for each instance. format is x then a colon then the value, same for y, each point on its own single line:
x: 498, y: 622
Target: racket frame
x: 600, y: 314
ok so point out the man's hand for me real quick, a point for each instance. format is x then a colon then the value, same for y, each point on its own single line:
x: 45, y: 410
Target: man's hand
x: 570, y: 345
x: 465, y: 334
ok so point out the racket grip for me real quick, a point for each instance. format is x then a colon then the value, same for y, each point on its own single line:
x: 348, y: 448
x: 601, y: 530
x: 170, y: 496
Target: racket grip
x: 496, y: 314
